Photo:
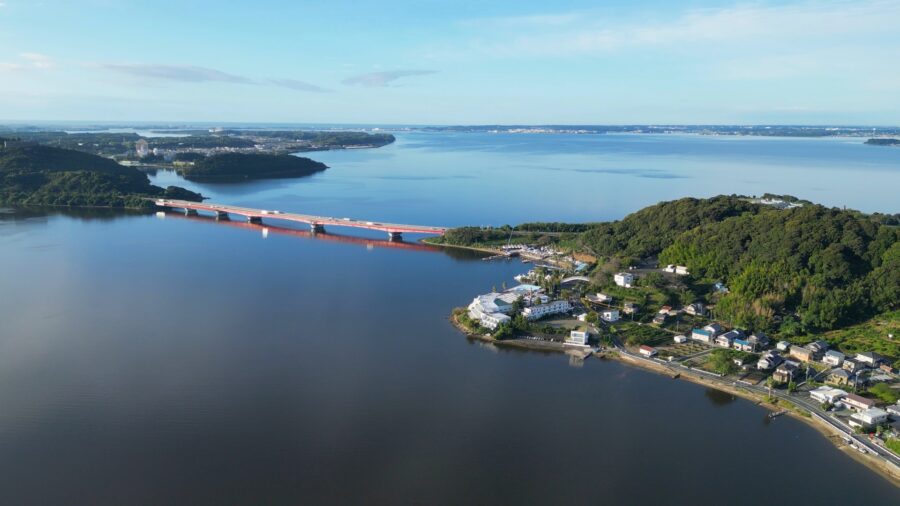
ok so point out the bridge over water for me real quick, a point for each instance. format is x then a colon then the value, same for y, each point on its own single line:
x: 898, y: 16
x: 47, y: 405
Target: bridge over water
x: 316, y: 223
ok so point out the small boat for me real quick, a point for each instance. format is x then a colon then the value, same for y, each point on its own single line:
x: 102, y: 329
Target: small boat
x: 778, y: 413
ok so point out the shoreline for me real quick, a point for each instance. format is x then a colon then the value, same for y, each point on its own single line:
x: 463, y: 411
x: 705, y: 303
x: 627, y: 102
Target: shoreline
x: 425, y: 240
x: 881, y: 467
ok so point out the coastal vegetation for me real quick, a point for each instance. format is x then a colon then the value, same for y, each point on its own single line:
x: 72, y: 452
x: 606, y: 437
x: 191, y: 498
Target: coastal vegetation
x: 43, y: 175
x: 800, y: 273
x: 238, y: 166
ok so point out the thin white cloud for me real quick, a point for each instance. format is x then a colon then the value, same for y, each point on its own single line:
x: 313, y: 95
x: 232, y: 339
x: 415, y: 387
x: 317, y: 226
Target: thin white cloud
x: 180, y: 73
x: 295, y: 84
x: 37, y: 60
x: 382, y: 79
x: 198, y: 74
x: 28, y: 61
x: 593, y: 33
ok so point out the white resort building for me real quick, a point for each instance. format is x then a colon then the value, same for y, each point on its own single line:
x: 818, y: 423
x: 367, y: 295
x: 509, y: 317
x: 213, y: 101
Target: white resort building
x: 492, y: 309
x: 541, y: 310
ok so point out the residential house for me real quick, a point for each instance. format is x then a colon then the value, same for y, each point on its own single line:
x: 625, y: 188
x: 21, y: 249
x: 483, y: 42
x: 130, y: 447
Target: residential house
x: 702, y: 335
x: 786, y: 372
x: 578, y: 338
x: 624, y: 279
x: 800, y: 353
x: 695, y: 309
x: 680, y: 339
x: 659, y: 319
x: 724, y: 340
x: 714, y: 328
x: 818, y: 347
x: 869, y: 358
x: 666, y: 310
x: 629, y: 308
x: 602, y: 298
x: 610, y: 315
x: 840, y: 377
x: 783, y: 345
x: 759, y: 340
x: 681, y: 270
x: 858, y: 403
x: 743, y: 345
x: 894, y: 410
x: 827, y: 394
x: 851, y: 365
x: 885, y: 367
x: 727, y: 338
x: 769, y: 361
x: 541, y: 310
x: 833, y: 358
x: 647, y: 351
x: 869, y: 418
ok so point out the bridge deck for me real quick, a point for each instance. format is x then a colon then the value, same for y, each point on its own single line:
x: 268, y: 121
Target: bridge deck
x: 302, y: 218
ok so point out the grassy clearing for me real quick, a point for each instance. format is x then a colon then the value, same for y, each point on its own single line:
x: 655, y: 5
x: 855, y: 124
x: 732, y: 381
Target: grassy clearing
x: 871, y: 335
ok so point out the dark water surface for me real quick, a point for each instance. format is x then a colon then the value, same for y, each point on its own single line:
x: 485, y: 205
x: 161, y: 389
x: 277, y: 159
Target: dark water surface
x: 158, y: 361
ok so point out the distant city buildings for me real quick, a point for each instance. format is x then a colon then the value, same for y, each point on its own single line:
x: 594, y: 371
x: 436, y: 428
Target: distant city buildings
x: 142, y: 148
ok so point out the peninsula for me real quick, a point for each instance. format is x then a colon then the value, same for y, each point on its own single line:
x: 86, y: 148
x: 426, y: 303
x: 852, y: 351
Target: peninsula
x: 776, y: 299
x: 32, y: 175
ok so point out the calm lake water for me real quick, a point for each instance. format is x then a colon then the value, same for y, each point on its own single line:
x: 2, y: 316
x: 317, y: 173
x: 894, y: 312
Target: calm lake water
x: 179, y: 360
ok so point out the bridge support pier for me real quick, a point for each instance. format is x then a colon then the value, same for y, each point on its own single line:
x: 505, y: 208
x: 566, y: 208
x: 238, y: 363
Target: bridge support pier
x: 316, y: 228
x: 190, y: 212
x: 254, y: 219
x: 395, y: 236
x: 221, y: 215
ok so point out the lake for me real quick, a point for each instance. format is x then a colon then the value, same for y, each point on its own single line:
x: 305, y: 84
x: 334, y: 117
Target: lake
x: 148, y: 360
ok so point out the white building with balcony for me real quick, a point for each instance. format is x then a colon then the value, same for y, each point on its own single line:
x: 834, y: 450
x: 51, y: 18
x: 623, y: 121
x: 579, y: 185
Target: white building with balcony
x: 541, y: 310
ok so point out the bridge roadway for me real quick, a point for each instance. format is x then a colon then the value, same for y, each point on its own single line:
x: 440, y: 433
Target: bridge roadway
x: 316, y: 223
x: 268, y: 229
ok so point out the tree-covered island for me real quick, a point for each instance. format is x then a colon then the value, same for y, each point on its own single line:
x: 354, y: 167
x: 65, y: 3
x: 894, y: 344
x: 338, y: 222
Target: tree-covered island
x: 231, y: 167
x: 883, y: 142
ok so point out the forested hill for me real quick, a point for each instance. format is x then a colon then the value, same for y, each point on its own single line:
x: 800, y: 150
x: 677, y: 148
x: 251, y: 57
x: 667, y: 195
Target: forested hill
x: 803, y: 269
x: 827, y: 267
x: 646, y: 232
x: 44, y: 175
x: 237, y: 167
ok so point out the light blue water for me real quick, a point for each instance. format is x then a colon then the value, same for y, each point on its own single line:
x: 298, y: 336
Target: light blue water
x: 491, y: 179
x: 188, y: 361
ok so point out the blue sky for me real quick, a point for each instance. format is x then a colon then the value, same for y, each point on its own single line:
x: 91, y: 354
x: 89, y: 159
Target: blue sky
x: 460, y: 62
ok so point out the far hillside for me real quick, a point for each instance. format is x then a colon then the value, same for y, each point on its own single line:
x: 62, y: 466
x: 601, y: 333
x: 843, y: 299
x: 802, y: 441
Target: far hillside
x: 43, y: 175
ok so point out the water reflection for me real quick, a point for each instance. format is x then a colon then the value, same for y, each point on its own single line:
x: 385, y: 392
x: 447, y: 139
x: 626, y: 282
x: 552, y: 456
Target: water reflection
x: 719, y: 398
